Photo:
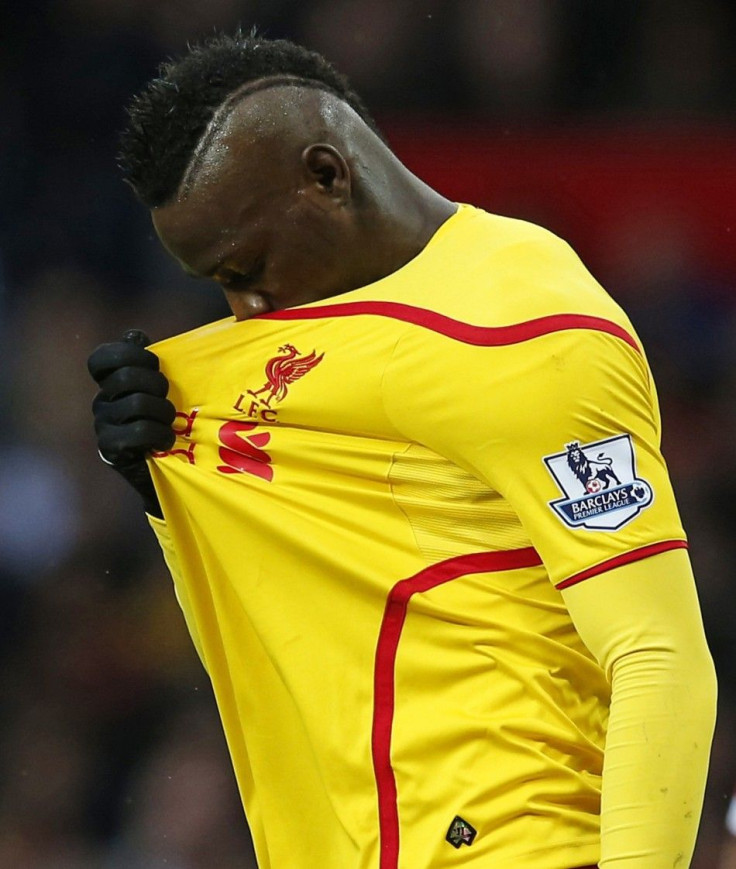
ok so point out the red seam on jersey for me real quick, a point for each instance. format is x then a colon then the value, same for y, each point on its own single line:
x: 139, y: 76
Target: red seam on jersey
x: 481, y: 336
x: 620, y: 560
x: 384, y: 673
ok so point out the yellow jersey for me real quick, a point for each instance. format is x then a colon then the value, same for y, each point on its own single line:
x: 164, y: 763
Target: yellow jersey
x: 370, y: 509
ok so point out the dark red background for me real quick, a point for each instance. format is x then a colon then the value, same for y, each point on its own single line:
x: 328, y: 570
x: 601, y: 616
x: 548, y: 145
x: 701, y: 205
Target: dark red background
x: 589, y: 179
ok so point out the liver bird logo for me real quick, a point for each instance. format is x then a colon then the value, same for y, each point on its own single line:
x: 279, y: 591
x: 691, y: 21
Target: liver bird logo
x: 282, y: 371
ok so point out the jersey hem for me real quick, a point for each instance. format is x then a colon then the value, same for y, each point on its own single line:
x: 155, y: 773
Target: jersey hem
x: 620, y: 560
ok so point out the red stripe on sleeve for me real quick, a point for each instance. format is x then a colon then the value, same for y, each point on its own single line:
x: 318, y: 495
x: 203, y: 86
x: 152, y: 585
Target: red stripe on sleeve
x: 620, y: 560
x: 384, y: 674
x: 467, y: 333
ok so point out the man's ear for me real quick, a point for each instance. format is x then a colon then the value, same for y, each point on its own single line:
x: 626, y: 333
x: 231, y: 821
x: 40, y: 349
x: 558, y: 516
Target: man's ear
x: 327, y: 174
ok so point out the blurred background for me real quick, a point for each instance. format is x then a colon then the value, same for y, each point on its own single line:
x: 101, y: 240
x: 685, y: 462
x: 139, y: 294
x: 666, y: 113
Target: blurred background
x: 612, y: 123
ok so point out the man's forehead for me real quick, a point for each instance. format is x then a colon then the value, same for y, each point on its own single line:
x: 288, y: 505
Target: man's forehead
x: 235, y: 171
x: 278, y: 111
x: 250, y: 150
x: 191, y: 228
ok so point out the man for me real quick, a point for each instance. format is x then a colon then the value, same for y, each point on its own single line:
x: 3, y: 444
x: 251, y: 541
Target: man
x: 411, y: 495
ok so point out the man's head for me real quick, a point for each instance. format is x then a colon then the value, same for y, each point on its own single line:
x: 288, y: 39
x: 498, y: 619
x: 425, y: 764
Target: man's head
x: 264, y: 171
x: 171, y: 115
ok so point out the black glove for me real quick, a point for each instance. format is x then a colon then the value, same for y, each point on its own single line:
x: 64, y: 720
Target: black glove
x: 131, y: 411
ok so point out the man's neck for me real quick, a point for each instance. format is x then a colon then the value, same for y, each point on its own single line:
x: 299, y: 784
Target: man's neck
x: 400, y: 226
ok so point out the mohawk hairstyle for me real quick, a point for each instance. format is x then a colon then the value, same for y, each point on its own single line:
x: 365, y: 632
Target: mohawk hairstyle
x: 168, y: 118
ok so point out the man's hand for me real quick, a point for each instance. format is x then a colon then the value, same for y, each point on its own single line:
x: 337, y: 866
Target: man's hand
x: 131, y: 411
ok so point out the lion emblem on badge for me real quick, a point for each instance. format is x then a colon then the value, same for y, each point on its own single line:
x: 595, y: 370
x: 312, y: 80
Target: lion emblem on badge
x: 594, y: 474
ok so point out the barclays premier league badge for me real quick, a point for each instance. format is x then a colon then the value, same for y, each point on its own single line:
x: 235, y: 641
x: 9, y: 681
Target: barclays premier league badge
x: 599, y: 483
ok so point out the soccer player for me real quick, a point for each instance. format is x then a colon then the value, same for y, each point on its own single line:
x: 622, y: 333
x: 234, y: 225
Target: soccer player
x: 411, y: 495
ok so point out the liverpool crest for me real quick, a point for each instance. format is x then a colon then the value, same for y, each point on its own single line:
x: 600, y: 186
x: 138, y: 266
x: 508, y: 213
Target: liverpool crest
x: 282, y: 371
x: 601, y: 489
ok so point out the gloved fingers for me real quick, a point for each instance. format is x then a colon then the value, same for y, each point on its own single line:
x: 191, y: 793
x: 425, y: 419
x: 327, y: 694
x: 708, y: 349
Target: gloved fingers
x: 128, y: 380
x: 123, y: 444
x: 132, y: 407
x: 119, y: 354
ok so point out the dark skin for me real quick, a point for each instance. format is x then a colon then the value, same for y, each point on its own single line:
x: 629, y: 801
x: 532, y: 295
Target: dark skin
x: 294, y: 199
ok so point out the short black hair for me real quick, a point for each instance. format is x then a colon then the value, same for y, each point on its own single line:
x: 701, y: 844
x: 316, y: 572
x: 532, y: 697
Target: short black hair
x: 168, y: 118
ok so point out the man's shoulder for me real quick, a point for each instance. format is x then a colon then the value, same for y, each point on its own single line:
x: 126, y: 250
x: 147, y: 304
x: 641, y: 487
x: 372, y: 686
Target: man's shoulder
x: 494, y: 270
x: 500, y: 231
x: 510, y: 247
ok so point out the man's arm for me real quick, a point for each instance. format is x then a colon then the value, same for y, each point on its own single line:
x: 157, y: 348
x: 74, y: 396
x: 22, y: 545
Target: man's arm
x: 642, y: 623
x: 133, y: 417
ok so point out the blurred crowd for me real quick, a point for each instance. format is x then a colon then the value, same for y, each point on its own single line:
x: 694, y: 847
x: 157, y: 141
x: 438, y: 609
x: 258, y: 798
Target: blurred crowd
x: 111, y: 755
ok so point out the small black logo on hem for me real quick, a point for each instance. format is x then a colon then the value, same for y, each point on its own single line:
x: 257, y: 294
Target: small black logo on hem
x: 460, y: 832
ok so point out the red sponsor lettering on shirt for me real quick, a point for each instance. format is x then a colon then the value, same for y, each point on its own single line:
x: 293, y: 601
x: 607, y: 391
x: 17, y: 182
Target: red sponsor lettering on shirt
x: 244, y: 455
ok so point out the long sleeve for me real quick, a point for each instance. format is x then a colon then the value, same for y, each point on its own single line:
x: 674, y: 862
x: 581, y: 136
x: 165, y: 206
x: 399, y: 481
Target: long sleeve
x: 642, y: 622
